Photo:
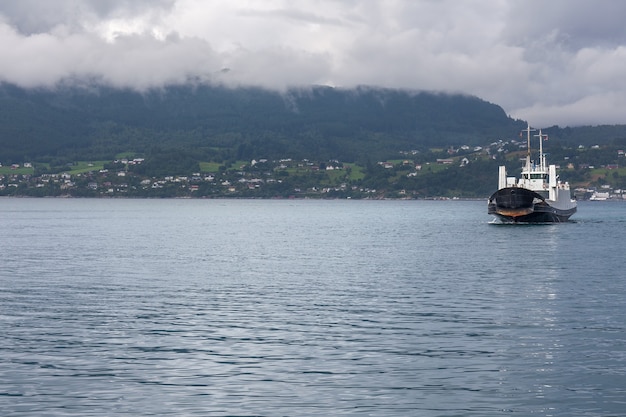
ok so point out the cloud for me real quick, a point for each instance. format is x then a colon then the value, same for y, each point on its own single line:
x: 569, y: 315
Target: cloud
x: 573, y: 24
x: 601, y: 108
x: 30, y: 17
x: 557, y: 62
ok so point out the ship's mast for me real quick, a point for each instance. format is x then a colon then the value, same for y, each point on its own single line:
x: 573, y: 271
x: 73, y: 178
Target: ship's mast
x: 528, y: 130
x: 542, y: 157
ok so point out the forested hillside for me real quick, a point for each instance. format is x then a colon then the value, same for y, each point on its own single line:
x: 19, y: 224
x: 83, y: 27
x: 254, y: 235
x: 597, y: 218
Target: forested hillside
x: 211, y: 141
x: 219, y: 123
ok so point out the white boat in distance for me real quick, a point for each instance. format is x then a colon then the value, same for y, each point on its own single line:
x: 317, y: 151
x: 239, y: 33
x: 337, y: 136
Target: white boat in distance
x: 538, y: 196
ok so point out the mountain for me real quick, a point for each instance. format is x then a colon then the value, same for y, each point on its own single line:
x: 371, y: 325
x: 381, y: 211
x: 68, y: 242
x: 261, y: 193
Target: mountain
x: 376, y: 142
x: 216, y: 122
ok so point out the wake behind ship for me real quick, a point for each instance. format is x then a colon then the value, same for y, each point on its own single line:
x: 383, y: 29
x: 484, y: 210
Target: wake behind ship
x: 538, y: 196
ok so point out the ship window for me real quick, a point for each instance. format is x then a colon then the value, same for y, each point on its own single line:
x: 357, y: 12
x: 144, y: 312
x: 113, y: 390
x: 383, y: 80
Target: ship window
x: 536, y: 176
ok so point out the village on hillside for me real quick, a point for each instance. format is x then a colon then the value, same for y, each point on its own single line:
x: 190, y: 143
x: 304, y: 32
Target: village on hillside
x: 263, y: 178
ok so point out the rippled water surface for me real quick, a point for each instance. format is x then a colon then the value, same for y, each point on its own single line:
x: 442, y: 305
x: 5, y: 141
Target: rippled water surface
x: 298, y: 308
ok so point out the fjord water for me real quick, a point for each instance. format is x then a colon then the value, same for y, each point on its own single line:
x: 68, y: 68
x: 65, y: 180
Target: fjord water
x: 298, y: 308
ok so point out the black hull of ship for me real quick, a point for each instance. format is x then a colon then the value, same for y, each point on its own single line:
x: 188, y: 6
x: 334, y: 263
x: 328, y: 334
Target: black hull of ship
x: 520, y: 205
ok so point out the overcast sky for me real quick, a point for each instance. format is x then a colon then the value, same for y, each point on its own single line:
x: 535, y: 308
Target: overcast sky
x: 556, y: 62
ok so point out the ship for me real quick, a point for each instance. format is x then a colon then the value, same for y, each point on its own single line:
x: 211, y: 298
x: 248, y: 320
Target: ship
x: 538, y: 196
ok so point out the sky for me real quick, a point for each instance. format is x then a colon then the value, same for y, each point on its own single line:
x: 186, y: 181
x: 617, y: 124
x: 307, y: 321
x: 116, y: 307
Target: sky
x: 556, y: 62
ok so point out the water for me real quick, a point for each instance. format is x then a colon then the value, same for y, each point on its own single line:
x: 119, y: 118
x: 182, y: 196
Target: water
x: 307, y: 308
